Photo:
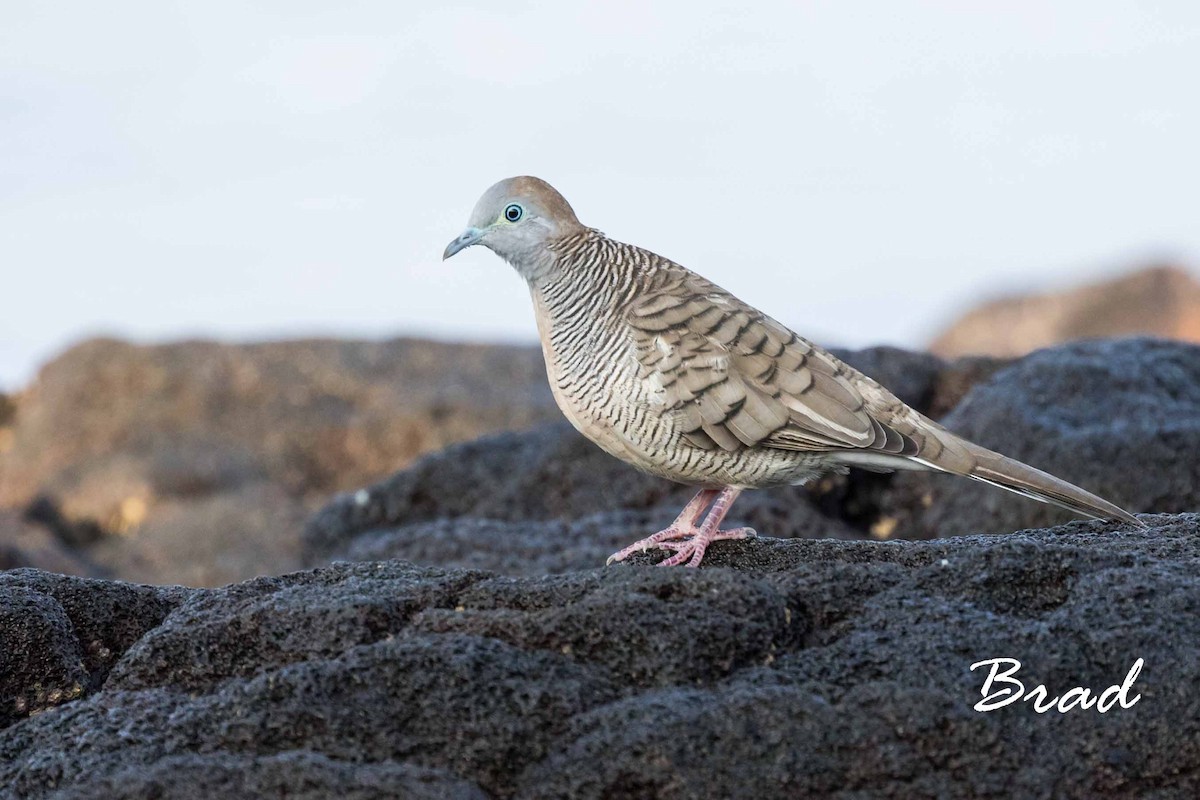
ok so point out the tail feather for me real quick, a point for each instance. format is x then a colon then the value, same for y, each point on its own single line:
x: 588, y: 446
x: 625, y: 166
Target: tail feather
x: 1023, y: 479
x: 943, y: 451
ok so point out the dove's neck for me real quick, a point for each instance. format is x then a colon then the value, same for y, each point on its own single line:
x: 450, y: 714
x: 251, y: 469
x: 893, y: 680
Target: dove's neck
x: 584, y: 289
x: 580, y: 304
x: 585, y: 273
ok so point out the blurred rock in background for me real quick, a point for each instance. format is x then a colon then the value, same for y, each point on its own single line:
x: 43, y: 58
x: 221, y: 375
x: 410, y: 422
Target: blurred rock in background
x: 8, y: 410
x: 27, y: 544
x: 1156, y: 301
x: 198, y: 462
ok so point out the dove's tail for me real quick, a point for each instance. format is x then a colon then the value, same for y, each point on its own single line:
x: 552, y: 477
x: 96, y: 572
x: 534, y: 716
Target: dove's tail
x: 1007, y: 473
x: 926, y: 445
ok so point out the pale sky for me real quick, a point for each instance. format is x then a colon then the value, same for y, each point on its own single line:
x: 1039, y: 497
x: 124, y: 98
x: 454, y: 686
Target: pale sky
x: 861, y: 171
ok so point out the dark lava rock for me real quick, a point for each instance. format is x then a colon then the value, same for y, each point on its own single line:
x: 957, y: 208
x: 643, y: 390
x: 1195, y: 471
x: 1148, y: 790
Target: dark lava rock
x: 294, y: 775
x: 60, y: 636
x: 785, y: 668
x: 1120, y: 418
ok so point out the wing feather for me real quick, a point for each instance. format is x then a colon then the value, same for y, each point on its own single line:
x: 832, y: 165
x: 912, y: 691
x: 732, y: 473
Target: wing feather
x: 738, y: 379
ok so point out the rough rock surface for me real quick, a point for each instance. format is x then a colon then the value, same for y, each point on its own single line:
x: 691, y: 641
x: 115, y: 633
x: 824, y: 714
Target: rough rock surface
x: 137, y: 454
x: 1156, y: 301
x: 60, y: 636
x: 784, y: 669
x: 1121, y: 418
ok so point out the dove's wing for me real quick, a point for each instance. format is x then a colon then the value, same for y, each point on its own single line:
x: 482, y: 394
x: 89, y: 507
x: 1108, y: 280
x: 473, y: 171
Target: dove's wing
x: 738, y: 378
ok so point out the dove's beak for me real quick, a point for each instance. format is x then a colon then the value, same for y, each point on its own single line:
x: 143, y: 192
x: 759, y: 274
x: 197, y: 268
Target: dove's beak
x: 469, y: 237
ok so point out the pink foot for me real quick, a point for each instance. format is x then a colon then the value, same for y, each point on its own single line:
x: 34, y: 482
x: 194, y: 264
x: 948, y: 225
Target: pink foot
x: 692, y: 549
x: 685, y: 537
x: 661, y: 539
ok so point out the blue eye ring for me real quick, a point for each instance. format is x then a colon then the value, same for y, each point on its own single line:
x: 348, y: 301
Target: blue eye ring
x: 513, y: 212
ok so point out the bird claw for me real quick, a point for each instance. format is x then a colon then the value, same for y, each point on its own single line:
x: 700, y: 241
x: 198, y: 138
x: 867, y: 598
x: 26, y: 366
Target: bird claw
x: 687, y: 544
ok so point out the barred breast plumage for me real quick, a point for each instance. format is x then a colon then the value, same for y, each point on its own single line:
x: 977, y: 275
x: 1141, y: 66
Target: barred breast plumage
x: 671, y: 373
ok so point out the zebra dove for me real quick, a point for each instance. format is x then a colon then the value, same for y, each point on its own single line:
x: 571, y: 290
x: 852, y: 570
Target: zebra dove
x: 676, y: 376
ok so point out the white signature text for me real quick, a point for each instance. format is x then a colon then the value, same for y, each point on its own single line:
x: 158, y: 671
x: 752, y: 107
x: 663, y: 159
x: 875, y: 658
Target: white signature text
x: 1001, y: 688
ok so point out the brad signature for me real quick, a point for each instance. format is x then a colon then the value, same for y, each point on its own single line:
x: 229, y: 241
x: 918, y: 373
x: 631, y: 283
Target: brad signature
x: 1000, y: 688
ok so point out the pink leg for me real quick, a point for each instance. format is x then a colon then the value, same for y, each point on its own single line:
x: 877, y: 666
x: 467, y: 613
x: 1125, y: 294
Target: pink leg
x: 684, y: 525
x: 683, y: 536
x: 692, y: 550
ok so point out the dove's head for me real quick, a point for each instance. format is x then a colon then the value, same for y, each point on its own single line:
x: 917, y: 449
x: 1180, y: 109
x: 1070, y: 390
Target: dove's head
x: 518, y: 219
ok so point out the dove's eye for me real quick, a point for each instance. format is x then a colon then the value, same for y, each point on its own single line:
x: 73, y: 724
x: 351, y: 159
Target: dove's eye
x: 513, y: 212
